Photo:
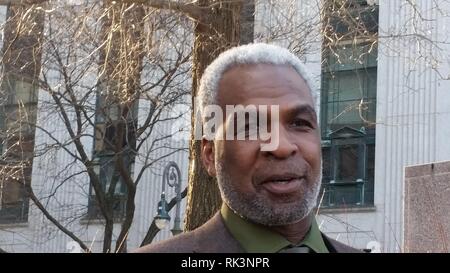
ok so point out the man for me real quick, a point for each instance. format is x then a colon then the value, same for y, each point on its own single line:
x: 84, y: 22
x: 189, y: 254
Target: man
x: 268, y: 194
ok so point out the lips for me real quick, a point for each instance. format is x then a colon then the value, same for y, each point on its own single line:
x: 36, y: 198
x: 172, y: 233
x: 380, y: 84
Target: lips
x: 283, y: 184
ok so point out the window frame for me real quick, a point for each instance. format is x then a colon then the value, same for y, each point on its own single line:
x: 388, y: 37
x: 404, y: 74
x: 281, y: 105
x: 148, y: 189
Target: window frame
x: 362, y: 183
x: 16, y: 212
x: 102, y: 151
x: 348, y: 40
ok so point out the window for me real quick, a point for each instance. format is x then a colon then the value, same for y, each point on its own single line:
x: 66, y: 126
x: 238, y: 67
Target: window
x: 348, y: 168
x: 348, y: 103
x: 349, y: 87
x: 17, y: 114
x: 107, y: 147
x: 21, y: 65
x: 347, y: 162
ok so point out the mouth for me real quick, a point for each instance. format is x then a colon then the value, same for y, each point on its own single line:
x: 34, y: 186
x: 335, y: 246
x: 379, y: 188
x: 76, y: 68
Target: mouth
x: 283, y: 184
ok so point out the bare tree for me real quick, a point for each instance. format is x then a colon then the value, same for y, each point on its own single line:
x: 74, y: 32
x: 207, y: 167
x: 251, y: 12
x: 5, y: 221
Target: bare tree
x: 98, y: 63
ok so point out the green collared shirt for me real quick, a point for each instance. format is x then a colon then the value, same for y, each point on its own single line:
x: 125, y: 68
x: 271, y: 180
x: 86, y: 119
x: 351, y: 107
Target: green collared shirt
x: 255, y: 238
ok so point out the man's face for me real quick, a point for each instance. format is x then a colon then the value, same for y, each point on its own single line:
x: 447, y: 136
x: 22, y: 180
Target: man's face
x: 275, y: 187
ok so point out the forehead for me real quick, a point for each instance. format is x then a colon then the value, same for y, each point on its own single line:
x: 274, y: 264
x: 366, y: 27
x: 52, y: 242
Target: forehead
x: 261, y: 84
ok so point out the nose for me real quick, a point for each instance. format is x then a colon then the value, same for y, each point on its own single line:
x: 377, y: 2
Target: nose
x: 286, y: 146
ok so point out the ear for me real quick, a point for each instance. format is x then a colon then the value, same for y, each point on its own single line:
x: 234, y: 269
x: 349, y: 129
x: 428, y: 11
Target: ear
x: 208, y: 156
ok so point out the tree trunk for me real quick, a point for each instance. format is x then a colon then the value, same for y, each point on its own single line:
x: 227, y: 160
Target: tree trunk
x: 131, y: 60
x: 247, y: 22
x: 119, y: 75
x: 218, y: 31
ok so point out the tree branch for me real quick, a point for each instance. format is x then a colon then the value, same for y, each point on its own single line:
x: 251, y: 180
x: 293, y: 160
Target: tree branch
x: 54, y: 221
x: 21, y: 2
x: 191, y: 10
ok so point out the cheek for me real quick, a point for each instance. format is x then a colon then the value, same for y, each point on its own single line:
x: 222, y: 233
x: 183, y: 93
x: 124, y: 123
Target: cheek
x: 312, y: 153
x: 240, y: 157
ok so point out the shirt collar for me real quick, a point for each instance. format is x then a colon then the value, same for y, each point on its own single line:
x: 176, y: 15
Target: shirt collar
x: 255, y: 238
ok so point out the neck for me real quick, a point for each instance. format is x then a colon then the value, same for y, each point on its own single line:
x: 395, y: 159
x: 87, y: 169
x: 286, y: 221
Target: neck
x: 295, y: 232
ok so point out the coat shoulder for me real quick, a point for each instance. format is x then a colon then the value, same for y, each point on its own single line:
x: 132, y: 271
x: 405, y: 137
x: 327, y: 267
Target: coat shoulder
x: 339, y: 247
x: 212, y: 237
x: 182, y: 243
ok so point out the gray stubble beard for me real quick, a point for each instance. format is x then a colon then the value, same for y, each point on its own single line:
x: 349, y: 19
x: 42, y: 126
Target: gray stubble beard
x: 259, y: 209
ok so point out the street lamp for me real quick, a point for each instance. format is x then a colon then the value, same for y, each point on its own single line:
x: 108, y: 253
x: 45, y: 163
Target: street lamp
x: 171, y: 176
x: 163, y: 218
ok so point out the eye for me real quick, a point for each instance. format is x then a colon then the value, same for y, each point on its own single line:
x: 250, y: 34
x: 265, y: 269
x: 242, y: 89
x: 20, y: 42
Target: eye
x: 302, y: 123
x: 247, y: 130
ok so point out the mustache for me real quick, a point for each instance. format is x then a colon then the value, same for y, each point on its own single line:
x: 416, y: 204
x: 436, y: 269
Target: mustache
x: 281, y: 171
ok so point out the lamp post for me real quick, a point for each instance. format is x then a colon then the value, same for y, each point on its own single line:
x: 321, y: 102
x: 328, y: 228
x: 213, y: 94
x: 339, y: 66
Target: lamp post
x: 171, y: 177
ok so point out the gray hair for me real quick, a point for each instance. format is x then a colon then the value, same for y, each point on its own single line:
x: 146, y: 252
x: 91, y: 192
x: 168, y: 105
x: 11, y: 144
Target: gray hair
x: 257, y: 53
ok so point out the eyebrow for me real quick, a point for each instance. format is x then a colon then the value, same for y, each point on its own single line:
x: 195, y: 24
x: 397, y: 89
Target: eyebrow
x: 292, y: 112
x: 303, y: 109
